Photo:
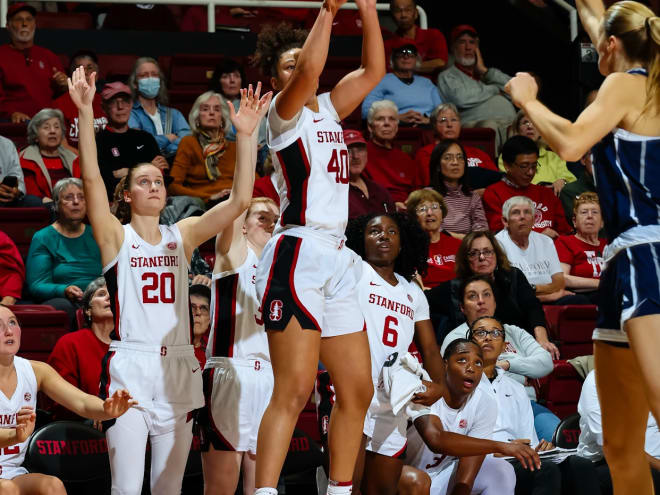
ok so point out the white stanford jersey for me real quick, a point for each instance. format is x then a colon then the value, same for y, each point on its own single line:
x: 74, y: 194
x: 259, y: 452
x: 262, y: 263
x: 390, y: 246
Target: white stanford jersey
x: 24, y: 395
x: 475, y: 419
x: 148, y: 287
x: 311, y: 170
x: 237, y: 330
x: 390, y: 313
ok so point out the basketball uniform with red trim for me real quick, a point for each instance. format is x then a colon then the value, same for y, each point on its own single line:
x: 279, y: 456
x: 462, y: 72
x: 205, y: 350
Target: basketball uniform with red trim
x: 11, y: 458
x: 305, y: 269
x: 151, y: 353
x: 238, y: 378
x: 390, y: 313
x: 475, y: 419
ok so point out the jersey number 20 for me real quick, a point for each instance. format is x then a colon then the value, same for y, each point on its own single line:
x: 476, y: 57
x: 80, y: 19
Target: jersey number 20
x: 390, y: 334
x: 158, y: 288
x: 339, y: 165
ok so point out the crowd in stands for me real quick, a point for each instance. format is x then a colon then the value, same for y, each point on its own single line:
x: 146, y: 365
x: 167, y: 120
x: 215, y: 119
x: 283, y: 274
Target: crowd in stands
x: 508, y: 232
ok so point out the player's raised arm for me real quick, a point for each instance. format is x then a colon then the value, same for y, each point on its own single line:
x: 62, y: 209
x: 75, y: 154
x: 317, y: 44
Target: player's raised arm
x: 196, y: 230
x: 74, y: 399
x: 591, y: 15
x: 352, y: 89
x: 107, y: 229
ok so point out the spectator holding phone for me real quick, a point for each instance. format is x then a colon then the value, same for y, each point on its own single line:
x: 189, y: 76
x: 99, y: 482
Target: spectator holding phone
x: 12, y: 184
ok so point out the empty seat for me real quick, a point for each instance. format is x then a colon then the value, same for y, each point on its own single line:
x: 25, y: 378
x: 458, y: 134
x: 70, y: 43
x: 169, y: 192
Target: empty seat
x: 16, y: 133
x: 410, y: 139
x: 116, y: 67
x: 20, y: 224
x: 192, y: 71
x: 40, y: 329
x: 64, y: 20
x: 479, y: 137
x: 574, y: 329
x: 560, y: 390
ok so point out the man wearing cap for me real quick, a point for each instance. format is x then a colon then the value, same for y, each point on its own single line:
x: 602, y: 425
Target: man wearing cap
x: 364, y: 195
x: 89, y: 61
x: 477, y: 91
x: 119, y: 147
x: 30, y: 76
x: 431, y: 44
x: 415, y: 96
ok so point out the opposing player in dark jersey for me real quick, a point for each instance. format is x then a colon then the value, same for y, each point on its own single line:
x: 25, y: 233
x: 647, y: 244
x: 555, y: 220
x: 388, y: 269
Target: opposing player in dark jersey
x: 20, y: 380
x: 623, y: 126
x: 306, y: 278
x: 238, y: 379
x: 146, y: 269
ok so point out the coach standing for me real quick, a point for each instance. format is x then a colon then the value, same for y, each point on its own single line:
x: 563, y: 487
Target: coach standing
x: 30, y: 75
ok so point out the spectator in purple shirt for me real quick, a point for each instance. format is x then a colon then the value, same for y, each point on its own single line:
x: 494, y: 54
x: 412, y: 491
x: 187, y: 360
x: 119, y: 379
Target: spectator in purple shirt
x: 364, y: 195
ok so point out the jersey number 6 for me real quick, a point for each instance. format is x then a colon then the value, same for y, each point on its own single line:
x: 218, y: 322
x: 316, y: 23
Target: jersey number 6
x: 339, y: 165
x: 390, y: 334
x: 155, y: 284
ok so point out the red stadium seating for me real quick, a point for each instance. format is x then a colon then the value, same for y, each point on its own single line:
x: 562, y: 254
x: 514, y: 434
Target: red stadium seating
x: 64, y: 20
x: 561, y: 389
x: 40, y: 329
x: 572, y: 326
x: 17, y: 133
x: 20, y: 224
x: 479, y: 137
x: 410, y: 139
x: 116, y: 66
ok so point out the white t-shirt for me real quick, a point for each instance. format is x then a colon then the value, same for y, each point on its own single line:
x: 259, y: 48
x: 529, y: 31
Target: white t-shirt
x: 158, y: 124
x: 539, y: 262
x: 591, y: 425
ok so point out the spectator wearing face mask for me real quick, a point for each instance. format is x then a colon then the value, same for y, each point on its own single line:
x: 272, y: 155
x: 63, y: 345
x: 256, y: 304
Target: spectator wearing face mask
x: 150, y: 112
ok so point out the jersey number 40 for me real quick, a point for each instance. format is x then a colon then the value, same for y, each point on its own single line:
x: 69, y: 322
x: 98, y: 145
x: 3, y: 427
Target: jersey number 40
x: 339, y: 165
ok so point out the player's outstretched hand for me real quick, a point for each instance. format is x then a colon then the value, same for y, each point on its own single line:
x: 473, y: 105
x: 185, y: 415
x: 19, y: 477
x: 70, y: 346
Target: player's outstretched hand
x: 251, y: 110
x: 524, y: 453
x: 25, y: 421
x: 333, y: 6
x: 522, y: 89
x: 431, y: 396
x: 82, y: 93
x: 362, y: 4
x: 118, y: 404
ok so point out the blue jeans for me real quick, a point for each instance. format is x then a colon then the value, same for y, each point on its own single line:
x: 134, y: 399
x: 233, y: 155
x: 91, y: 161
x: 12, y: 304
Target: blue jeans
x: 545, y: 422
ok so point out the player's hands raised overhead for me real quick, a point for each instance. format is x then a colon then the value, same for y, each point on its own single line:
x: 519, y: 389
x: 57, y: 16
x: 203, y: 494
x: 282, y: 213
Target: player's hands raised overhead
x: 522, y: 89
x: 333, y: 6
x: 118, y: 403
x: 251, y: 110
x: 81, y: 92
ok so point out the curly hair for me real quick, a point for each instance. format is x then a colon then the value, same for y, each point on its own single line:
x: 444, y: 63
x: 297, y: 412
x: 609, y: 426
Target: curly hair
x: 414, y: 242
x: 272, y: 42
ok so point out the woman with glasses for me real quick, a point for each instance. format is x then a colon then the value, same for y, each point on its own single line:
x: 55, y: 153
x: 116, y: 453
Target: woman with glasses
x: 551, y: 170
x: 465, y: 212
x: 429, y: 208
x: 63, y: 257
x: 481, y: 254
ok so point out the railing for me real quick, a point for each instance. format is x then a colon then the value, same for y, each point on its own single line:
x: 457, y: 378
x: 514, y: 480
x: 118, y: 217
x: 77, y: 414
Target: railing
x: 211, y: 4
x: 572, y: 17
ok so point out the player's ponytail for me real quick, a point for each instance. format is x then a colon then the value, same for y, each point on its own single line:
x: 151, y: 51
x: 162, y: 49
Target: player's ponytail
x: 639, y: 31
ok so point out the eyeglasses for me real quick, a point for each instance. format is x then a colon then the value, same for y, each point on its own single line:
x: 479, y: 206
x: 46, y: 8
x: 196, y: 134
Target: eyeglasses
x: 478, y: 253
x: 406, y: 52
x: 526, y: 166
x: 526, y: 123
x: 70, y: 198
x: 425, y: 208
x: 450, y: 158
x: 444, y: 120
x: 483, y: 333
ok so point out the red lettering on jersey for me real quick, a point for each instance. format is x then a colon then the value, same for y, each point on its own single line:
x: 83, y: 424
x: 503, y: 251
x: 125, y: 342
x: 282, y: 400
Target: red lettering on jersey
x: 153, y: 261
x: 276, y: 310
x: 392, y: 305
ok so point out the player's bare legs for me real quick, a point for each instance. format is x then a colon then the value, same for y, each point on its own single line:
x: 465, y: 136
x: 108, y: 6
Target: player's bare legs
x: 381, y: 474
x: 414, y: 481
x: 33, y: 484
x: 625, y: 412
x: 294, y: 357
x: 222, y: 470
x: 348, y: 360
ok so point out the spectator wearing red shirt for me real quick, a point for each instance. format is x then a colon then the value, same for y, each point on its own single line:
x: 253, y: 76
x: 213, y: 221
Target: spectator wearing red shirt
x: 431, y: 43
x: 428, y: 206
x: 89, y: 61
x: 200, y: 307
x: 45, y: 161
x: 520, y: 156
x: 389, y: 166
x: 12, y: 271
x: 77, y: 356
x: 581, y: 254
x: 30, y: 75
x: 364, y: 195
x: 446, y: 124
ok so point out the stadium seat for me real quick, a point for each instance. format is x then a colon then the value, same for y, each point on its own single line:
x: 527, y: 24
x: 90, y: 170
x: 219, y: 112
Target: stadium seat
x: 567, y: 434
x: 560, y: 390
x: 75, y: 453
x: 20, y: 224
x: 116, y: 67
x: 572, y: 326
x: 16, y: 133
x: 410, y: 139
x: 40, y: 329
x: 64, y: 20
x: 479, y: 137
x: 192, y: 71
